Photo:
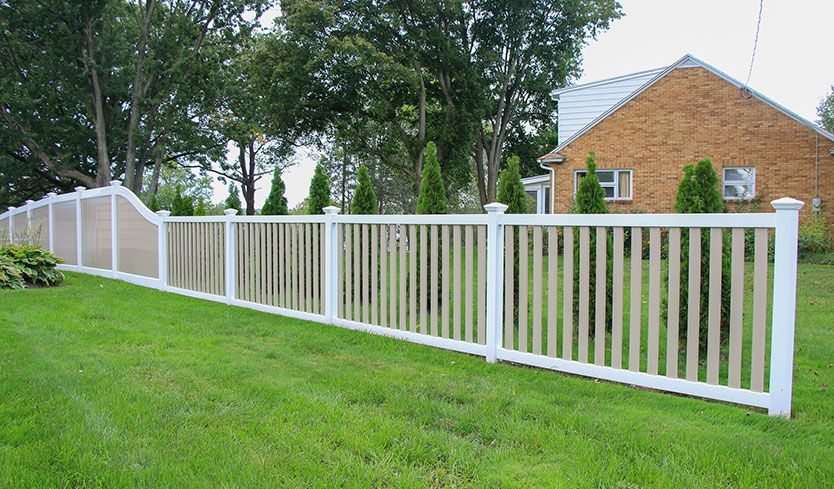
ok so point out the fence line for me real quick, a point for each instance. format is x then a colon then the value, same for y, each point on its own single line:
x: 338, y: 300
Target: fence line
x: 671, y: 302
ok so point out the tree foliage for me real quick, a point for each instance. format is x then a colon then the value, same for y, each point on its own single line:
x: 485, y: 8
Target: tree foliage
x: 319, y: 191
x: 233, y: 200
x: 698, y: 192
x: 183, y: 205
x: 364, y: 199
x: 432, y: 199
x: 276, y: 202
x: 590, y: 197
x: 511, y: 190
x: 825, y: 111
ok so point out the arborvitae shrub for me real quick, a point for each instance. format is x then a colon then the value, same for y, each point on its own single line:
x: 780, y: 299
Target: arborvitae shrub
x: 276, y: 202
x: 319, y: 191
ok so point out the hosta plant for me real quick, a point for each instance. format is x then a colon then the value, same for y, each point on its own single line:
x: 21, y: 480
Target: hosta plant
x: 10, y: 276
x: 36, y: 265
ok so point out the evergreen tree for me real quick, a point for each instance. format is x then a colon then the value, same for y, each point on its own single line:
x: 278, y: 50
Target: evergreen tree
x: 233, y: 200
x: 319, y: 191
x: 590, y: 199
x: 432, y: 199
x: 276, y: 202
x: 200, y: 209
x: 364, y: 199
x: 183, y: 205
x: 154, y: 204
x: 698, y: 192
x: 511, y: 190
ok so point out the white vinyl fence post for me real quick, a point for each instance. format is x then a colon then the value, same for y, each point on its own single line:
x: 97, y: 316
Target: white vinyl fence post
x: 229, y: 260
x: 51, y: 219
x: 114, y: 228
x: 163, y: 249
x: 784, y: 305
x: 78, y: 226
x: 494, y: 278
x: 29, y: 217
x: 11, y: 225
x: 331, y: 284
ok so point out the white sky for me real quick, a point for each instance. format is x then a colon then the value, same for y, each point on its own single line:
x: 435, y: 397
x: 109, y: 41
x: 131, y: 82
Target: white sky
x: 793, y: 61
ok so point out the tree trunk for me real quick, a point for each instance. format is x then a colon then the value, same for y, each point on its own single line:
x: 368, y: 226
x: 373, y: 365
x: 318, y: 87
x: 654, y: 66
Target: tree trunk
x: 154, y: 184
x: 103, y: 168
x: 140, y: 87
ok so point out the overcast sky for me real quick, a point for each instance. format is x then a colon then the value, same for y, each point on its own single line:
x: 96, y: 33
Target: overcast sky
x: 793, y: 64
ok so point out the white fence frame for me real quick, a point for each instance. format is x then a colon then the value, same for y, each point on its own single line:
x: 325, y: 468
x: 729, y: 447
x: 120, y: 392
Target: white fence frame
x: 785, y: 222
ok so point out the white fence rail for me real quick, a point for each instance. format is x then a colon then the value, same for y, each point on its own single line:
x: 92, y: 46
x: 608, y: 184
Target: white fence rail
x: 614, y: 297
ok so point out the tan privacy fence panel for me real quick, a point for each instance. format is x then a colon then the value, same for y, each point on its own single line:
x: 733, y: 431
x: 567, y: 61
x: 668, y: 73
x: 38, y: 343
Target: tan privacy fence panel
x: 5, y: 236
x: 64, y: 237
x: 682, y: 303
x: 97, y: 232
x: 138, y: 240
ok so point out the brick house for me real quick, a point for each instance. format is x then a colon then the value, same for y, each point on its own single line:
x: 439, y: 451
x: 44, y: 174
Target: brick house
x: 644, y: 127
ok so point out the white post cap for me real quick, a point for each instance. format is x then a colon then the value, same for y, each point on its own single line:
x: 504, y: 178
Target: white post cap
x: 51, y: 194
x: 331, y: 209
x: 787, y: 204
x: 230, y: 212
x: 496, y: 207
x: 80, y: 188
x: 115, y: 183
x: 163, y: 213
x: 30, y: 202
x: 11, y: 207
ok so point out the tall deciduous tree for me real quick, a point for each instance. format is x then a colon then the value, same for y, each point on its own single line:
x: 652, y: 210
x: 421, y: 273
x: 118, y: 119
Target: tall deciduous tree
x: 98, y: 90
x: 276, y: 202
x: 319, y: 191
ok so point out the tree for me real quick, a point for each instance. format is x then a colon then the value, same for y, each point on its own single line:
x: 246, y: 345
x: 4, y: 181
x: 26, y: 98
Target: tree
x: 154, y: 204
x: 172, y: 177
x: 276, y: 202
x: 590, y: 199
x: 319, y: 191
x: 825, y: 111
x: 511, y: 190
x: 698, y: 192
x: 183, y: 205
x: 233, y: 200
x: 432, y: 199
x: 97, y: 90
x: 364, y: 200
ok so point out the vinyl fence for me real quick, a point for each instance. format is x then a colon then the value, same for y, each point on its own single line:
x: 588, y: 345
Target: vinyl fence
x: 613, y: 297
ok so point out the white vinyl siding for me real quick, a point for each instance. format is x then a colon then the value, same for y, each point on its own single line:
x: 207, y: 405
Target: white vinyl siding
x: 739, y: 182
x: 577, y: 108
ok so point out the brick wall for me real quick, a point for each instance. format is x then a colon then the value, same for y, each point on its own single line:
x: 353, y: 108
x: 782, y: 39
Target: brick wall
x: 691, y: 114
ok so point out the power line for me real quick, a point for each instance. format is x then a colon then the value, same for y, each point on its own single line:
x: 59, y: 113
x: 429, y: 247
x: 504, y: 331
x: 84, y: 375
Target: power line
x: 745, y: 90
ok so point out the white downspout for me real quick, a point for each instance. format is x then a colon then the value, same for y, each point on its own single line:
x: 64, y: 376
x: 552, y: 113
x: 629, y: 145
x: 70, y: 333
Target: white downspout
x: 552, y: 182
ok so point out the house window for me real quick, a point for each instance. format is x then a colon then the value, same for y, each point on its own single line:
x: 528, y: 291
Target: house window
x: 739, y: 182
x: 547, y: 200
x: 615, y: 183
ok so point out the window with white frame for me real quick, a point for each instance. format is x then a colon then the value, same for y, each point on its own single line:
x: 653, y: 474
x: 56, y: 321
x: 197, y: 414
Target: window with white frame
x: 615, y: 183
x: 739, y: 182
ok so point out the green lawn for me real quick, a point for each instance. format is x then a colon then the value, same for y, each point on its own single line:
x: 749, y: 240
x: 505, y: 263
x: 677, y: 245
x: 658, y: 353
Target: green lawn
x: 104, y: 384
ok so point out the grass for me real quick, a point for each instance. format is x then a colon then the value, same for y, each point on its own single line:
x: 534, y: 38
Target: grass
x: 105, y: 384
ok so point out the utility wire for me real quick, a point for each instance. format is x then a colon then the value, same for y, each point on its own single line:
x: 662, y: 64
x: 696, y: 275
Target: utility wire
x: 745, y: 90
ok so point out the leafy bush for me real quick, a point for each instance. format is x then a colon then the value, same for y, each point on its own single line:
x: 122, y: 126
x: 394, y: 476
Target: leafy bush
x: 432, y: 199
x: 35, y: 265
x: 276, y: 202
x: 10, y: 276
x: 698, y: 193
x: 813, y: 235
x: 364, y: 199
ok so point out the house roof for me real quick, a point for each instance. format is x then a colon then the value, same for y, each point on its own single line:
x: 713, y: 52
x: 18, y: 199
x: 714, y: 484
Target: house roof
x: 554, y: 94
x: 536, y: 179
x: 687, y: 61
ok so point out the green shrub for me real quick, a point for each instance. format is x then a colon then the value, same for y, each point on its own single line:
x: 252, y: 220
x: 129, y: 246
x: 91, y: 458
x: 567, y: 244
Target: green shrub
x: 813, y: 235
x: 233, y: 200
x: 319, y: 191
x: 432, y: 198
x: 36, y: 265
x: 10, y: 276
x: 364, y: 199
x: 276, y: 202
x: 698, y: 192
